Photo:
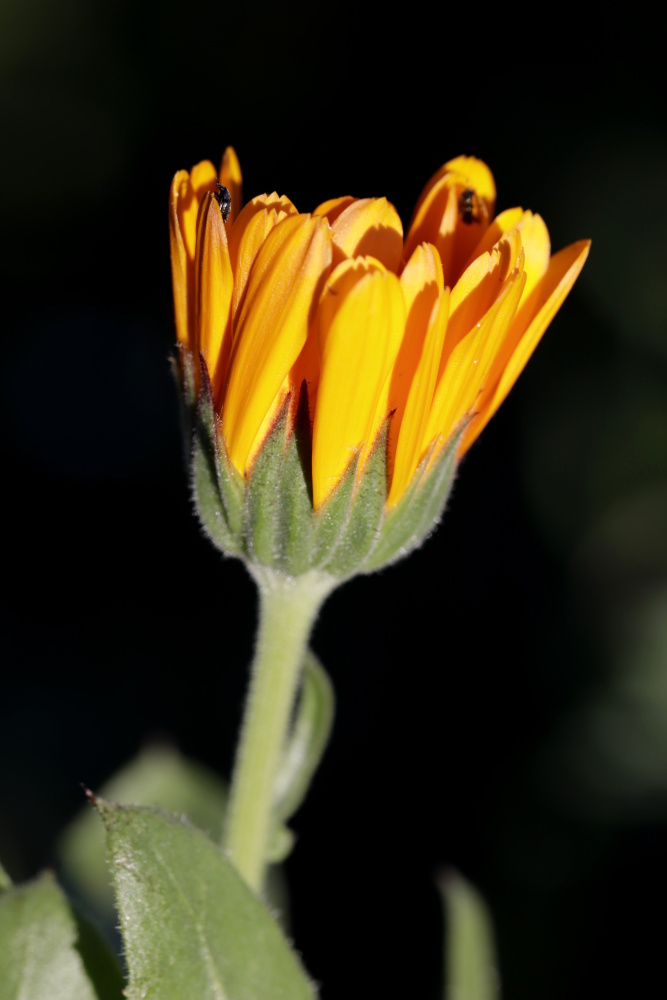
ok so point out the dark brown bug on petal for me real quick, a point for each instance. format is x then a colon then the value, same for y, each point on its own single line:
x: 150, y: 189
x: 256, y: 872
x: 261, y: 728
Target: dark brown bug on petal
x: 224, y: 200
x: 471, y: 207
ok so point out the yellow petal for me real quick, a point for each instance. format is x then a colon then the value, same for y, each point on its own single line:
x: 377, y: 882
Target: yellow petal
x: 273, y: 322
x: 231, y: 176
x: 409, y: 449
x: 537, y: 251
x: 422, y: 284
x: 256, y: 220
x: 339, y: 284
x: 214, y: 283
x: 363, y: 322
x: 564, y: 268
x: 369, y: 227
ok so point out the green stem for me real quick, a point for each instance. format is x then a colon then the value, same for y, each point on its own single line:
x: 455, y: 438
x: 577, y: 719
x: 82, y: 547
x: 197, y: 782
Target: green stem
x: 287, y: 611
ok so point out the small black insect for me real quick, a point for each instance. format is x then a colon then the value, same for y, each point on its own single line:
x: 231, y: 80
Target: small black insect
x: 224, y: 200
x: 470, y: 208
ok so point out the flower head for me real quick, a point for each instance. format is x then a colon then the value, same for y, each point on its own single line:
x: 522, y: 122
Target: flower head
x: 407, y: 343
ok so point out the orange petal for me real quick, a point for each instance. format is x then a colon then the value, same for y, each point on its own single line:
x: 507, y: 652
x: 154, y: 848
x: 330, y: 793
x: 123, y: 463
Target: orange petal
x: 434, y: 221
x: 252, y: 227
x: 214, y: 284
x: 499, y: 227
x: 469, y: 363
x: 477, y: 289
x: 179, y: 264
x: 453, y: 212
x: 409, y: 448
x: 564, y: 268
x: 202, y: 178
x: 467, y: 171
x: 369, y: 227
x: 273, y: 323
x: 231, y: 176
x: 187, y: 191
x: 422, y: 269
x: 332, y: 208
x: 362, y: 322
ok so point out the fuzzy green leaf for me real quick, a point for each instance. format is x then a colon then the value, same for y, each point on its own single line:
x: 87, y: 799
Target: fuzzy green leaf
x: 47, y: 952
x: 307, y: 742
x: 471, y: 971
x: 5, y: 881
x: 158, y: 776
x: 191, y: 927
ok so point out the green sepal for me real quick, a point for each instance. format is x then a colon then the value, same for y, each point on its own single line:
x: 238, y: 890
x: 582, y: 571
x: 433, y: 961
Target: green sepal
x: 48, y: 951
x: 182, y: 368
x: 191, y: 927
x: 407, y: 525
x: 279, y: 506
x: 188, y: 371
x: 296, y: 499
x: 267, y: 518
x: 263, y: 494
x: 360, y: 533
x: 471, y: 966
x: 330, y: 520
x: 217, y: 487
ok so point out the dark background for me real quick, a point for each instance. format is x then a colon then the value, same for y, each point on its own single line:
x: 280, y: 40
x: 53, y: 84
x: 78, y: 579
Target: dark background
x: 502, y: 695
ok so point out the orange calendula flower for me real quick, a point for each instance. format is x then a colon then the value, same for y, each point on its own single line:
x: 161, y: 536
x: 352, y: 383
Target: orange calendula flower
x: 404, y: 342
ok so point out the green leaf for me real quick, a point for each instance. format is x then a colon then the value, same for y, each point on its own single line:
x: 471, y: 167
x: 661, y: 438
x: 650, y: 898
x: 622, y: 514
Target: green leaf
x: 471, y: 971
x: 158, y: 776
x: 280, y: 845
x: 308, y: 738
x: 47, y: 952
x: 191, y: 926
x: 5, y: 881
x: 307, y: 742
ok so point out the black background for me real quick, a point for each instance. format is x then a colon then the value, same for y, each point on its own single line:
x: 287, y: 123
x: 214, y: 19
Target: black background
x: 502, y: 695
